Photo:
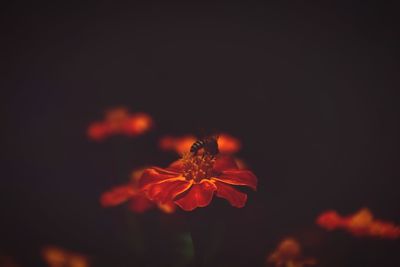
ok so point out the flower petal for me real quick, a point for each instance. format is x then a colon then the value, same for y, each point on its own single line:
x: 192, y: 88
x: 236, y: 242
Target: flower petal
x: 236, y: 198
x: 224, y: 163
x: 238, y: 177
x: 167, y: 190
x: 228, y: 144
x: 117, y: 195
x: 156, y: 175
x: 199, y: 195
x: 140, y: 203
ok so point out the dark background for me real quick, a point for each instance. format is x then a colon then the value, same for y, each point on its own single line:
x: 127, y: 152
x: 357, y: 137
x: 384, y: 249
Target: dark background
x: 310, y: 91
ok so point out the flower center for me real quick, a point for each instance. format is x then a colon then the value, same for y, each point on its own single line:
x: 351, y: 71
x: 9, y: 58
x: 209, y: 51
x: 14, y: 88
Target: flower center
x: 198, y: 167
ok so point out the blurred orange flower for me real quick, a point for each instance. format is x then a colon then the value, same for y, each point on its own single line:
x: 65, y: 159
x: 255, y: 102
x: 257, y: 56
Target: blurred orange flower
x: 288, y: 254
x: 192, y: 181
x: 362, y: 223
x: 227, y: 144
x: 138, y: 201
x: 120, y: 121
x: 58, y: 257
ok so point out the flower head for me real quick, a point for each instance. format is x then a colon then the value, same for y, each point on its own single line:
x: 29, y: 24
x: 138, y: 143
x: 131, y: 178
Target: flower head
x: 120, y: 121
x: 288, y: 254
x: 58, y: 257
x: 362, y: 223
x: 192, y: 181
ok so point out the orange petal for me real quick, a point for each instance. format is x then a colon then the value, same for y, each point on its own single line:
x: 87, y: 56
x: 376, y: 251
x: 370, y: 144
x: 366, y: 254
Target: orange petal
x: 236, y: 198
x: 238, y: 177
x: 117, y: 195
x: 140, y: 203
x: 199, y: 195
x: 223, y: 163
x: 228, y: 144
x: 167, y: 190
x: 156, y: 175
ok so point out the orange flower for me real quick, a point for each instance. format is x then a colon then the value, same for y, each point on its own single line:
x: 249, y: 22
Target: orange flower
x: 227, y: 144
x: 138, y: 202
x: 58, y: 257
x: 192, y: 181
x: 362, y: 223
x: 288, y: 254
x: 119, y: 121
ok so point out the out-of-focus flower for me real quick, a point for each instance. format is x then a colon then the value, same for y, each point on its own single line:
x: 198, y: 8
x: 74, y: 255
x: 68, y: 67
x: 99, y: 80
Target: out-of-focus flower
x: 288, y: 254
x: 330, y: 220
x: 362, y: 223
x: 193, y: 180
x: 58, y: 257
x: 178, y: 144
x: 120, y: 121
x: 227, y: 144
x: 138, y: 201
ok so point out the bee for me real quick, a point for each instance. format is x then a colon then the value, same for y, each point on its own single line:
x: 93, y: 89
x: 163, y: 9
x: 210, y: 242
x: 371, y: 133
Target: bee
x: 208, y: 144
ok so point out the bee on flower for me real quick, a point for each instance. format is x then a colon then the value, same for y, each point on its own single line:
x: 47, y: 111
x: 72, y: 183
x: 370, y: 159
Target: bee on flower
x: 227, y: 144
x: 193, y: 180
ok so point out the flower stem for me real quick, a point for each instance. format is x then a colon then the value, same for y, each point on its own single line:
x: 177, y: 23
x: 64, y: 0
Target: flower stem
x: 205, y: 231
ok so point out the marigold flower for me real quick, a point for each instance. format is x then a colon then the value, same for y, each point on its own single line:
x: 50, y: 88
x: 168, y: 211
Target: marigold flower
x: 138, y: 202
x: 227, y: 144
x: 192, y: 181
x: 362, y: 223
x: 288, y: 254
x: 58, y: 257
x: 120, y: 121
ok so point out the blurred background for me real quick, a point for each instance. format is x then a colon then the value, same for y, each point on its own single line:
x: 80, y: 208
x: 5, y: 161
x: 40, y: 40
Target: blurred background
x: 309, y: 90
